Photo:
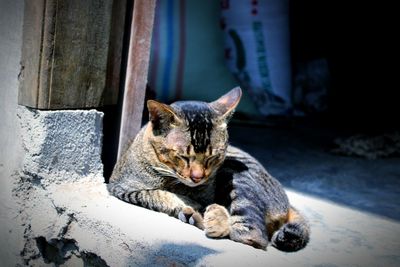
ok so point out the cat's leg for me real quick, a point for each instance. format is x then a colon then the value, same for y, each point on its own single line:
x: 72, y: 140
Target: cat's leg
x: 247, y: 211
x: 244, y: 213
x: 247, y: 224
x: 167, y: 202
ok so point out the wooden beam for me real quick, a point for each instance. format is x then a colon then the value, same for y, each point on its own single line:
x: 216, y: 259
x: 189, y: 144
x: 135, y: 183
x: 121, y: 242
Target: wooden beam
x: 136, y: 74
x: 117, y: 32
x: 31, y: 52
x: 67, y: 45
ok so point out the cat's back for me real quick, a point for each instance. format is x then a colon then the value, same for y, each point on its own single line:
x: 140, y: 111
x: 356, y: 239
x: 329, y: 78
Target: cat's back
x: 242, y: 170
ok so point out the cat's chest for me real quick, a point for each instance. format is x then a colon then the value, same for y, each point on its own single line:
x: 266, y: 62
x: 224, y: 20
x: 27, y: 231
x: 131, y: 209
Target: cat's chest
x: 203, y: 194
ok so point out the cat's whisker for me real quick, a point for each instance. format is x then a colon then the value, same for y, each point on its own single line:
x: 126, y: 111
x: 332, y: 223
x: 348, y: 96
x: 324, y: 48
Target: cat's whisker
x: 175, y: 182
x: 165, y: 172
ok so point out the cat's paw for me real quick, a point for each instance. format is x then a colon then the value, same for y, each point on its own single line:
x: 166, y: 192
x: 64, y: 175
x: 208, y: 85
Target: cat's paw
x: 248, y: 235
x: 189, y: 215
x: 216, y: 221
x: 290, y: 238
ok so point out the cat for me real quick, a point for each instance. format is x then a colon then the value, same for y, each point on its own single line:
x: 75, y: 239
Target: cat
x: 180, y: 163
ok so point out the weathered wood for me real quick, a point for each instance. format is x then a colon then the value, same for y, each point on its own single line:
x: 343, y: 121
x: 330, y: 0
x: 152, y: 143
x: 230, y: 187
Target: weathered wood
x: 66, y: 53
x: 31, y: 50
x: 117, y: 32
x: 136, y: 74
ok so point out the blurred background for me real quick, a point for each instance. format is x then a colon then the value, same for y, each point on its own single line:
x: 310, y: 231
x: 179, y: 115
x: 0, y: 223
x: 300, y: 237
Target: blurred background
x: 330, y: 60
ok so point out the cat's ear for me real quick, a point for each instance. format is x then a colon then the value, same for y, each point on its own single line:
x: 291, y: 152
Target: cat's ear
x: 226, y: 104
x: 162, y: 116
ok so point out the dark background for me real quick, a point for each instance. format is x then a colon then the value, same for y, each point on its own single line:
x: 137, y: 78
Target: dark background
x: 358, y: 40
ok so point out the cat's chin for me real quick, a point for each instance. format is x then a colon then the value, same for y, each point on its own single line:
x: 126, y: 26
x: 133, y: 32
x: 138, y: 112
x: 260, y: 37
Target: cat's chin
x: 192, y: 184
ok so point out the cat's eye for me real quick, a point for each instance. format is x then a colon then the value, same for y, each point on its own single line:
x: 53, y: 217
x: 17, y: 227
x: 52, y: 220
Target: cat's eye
x: 184, y: 158
x: 211, y: 159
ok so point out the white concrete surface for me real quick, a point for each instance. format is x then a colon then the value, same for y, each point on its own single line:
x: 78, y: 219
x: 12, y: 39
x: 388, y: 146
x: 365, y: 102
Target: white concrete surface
x: 125, y: 235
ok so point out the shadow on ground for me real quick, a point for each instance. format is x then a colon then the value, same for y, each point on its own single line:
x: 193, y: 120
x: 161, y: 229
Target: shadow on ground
x: 171, y: 254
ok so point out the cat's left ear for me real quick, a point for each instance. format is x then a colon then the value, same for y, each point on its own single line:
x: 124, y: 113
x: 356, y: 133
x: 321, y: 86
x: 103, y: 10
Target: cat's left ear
x: 162, y: 116
x: 226, y: 104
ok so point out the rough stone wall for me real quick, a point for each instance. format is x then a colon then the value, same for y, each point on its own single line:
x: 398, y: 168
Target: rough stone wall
x: 61, y: 146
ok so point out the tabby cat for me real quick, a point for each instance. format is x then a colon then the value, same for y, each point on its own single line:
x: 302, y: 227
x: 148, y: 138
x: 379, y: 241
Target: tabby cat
x: 180, y: 163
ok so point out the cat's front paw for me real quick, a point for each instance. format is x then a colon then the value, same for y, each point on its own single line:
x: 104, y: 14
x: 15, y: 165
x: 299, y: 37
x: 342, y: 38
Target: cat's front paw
x: 216, y: 221
x: 189, y: 215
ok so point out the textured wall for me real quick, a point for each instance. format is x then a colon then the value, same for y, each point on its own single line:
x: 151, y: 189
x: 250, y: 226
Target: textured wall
x: 61, y: 146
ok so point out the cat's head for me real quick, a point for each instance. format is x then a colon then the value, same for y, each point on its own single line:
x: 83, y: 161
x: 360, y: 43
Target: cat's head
x: 190, y: 138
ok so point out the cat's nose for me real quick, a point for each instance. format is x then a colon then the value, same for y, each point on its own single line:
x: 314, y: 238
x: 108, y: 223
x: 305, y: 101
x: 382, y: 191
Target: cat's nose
x: 196, y: 174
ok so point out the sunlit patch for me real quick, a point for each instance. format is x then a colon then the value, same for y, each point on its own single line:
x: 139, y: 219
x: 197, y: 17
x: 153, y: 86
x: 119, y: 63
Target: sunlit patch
x: 343, y: 236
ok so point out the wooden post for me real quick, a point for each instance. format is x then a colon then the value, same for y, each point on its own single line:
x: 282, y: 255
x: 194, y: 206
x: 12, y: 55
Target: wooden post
x: 136, y: 74
x: 67, y: 45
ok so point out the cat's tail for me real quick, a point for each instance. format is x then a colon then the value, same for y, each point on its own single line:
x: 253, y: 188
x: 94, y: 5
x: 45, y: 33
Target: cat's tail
x: 294, y: 234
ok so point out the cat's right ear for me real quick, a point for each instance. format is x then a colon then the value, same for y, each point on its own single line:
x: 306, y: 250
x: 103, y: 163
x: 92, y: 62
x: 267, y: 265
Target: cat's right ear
x: 226, y: 104
x: 161, y: 116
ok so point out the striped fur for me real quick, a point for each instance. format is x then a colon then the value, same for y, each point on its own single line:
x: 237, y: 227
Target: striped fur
x: 188, y: 170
